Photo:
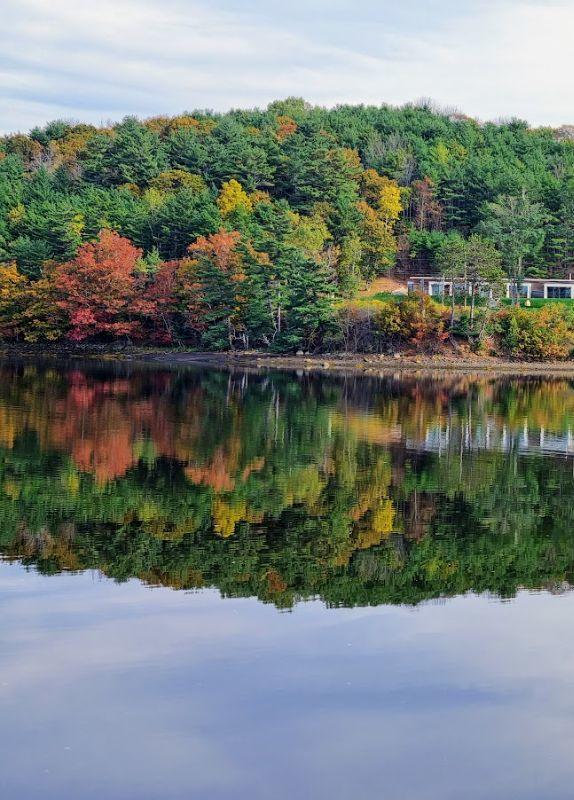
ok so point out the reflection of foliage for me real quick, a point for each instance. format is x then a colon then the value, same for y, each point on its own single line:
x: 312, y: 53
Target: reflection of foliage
x: 286, y: 488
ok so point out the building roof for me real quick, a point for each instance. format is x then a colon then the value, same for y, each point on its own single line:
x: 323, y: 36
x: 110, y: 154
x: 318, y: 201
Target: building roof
x: 440, y: 278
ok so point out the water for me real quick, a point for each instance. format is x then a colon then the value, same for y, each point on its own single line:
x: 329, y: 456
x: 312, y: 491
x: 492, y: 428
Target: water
x: 242, y: 585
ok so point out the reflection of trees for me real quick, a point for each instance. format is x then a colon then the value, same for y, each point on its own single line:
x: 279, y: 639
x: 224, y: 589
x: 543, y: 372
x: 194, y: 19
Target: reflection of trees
x: 284, y: 487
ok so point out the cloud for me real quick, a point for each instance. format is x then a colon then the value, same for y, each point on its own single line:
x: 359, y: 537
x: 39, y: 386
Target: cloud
x: 97, y: 62
x: 116, y: 691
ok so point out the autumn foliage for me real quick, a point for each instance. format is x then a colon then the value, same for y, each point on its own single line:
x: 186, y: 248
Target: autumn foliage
x: 97, y: 290
x: 226, y: 294
x: 373, y: 325
x: 108, y: 292
x: 545, y: 335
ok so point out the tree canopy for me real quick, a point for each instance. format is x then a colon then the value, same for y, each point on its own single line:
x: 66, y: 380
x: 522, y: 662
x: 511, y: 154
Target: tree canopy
x: 327, y: 198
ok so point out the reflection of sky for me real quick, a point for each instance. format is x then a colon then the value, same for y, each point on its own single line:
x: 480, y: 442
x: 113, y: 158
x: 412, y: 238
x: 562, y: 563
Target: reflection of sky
x: 122, y: 692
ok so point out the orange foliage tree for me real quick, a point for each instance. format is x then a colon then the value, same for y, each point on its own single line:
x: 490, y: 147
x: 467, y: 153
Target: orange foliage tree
x: 217, y: 265
x: 97, y: 290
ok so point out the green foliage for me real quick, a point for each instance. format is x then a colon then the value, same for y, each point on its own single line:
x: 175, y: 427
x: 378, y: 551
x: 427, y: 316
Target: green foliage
x: 538, y: 302
x: 176, y: 223
x: 308, y: 307
x: 329, y: 199
x: 515, y: 224
x: 133, y: 154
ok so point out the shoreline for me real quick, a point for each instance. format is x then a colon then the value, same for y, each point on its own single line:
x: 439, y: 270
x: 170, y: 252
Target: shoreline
x: 358, y: 363
x: 355, y: 363
x: 342, y: 363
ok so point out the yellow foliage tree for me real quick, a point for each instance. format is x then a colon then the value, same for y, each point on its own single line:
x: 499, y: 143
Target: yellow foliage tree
x: 233, y: 197
x: 379, y: 243
x: 380, y: 209
x: 13, y: 291
x: 154, y: 198
x: 383, y: 517
x: 389, y: 202
x: 383, y: 194
x: 41, y: 319
x: 172, y: 179
x: 28, y: 309
x: 258, y: 197
x: 66, y: 151
x: 17, y: 214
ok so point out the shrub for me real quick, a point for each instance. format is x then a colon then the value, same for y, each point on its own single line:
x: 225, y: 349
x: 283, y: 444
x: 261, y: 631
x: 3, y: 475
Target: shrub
x: 543, y: 334
x: 373, y: 325
x: 422, y: 321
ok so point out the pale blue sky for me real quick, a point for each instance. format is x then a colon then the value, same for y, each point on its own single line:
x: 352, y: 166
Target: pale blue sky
x: 96, y: 61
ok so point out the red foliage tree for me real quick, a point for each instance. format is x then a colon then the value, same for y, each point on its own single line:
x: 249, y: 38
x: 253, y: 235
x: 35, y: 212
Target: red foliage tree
x: 97, y: 290
x: 159, y: 304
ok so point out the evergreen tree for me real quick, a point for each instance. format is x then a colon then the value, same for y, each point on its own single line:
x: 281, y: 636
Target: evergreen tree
x: 515, y: 224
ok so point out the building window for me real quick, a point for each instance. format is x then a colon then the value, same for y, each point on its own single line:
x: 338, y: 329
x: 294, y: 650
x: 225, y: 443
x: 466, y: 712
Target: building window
x: 439, y: 288
x: 518, y: 290
x: 559, y: 292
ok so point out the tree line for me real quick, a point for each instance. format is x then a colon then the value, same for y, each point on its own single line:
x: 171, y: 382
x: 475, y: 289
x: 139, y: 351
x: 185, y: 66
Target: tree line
x: 257, y: 228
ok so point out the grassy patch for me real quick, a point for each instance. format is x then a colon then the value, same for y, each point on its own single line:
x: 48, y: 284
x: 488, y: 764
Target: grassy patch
x: 538, y: 302
x: 386, y: 296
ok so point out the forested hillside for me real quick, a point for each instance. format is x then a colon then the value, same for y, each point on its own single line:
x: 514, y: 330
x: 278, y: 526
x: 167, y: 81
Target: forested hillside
x: 254, y: 228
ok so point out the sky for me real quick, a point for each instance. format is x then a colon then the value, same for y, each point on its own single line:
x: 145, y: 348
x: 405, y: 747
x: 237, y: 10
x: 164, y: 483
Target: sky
x: 101, y: 60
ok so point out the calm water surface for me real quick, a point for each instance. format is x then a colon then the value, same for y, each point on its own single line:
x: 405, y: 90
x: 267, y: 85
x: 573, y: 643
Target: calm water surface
x: 230, y: 585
